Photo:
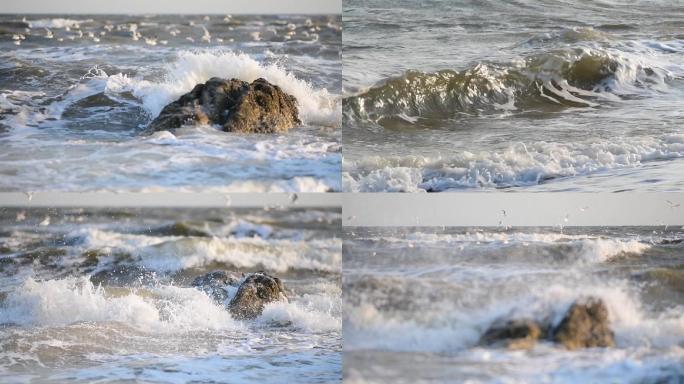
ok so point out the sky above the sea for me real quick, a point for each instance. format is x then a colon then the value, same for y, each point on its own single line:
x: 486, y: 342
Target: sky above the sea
x: 173, y: 6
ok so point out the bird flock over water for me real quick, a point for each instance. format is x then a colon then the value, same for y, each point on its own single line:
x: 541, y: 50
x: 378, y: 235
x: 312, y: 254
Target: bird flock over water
x: 72, y: 30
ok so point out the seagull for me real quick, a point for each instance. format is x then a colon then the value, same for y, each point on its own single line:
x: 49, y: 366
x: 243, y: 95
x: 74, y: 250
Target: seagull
x: 206, y: 37
x: 584, y: 209
x: 48, y: 34
x: 673, y: 205
x: 45, y: 222
x: 503, y: 212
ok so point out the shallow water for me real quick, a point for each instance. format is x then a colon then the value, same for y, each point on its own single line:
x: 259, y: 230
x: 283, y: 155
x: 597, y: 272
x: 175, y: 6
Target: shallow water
x: 528, y: 95
x: 104, y: 295
x: 77, y: 92
x: 417, y: 300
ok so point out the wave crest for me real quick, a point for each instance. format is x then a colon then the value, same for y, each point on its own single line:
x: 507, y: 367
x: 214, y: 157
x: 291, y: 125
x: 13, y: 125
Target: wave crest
x: 316, y: 106
x: 579, y: 77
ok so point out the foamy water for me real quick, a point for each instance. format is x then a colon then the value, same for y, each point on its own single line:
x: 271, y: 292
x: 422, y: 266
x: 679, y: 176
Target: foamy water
x: 106, y: 295
x: 517, y: 97
x: 418, y: 300
x: 79, y: 101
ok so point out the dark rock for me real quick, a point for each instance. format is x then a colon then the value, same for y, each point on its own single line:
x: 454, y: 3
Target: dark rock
x: 45, y: 255
x: 513, y: 334
x: 255, y: 292
x: 235, y: 105
x: 585, y: 325
x: 214, y: 284
x: 124, y: 276
x: 177, y: 229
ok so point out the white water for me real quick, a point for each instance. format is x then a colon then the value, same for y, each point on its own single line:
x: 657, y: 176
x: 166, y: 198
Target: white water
x: 520, y: 164
x: 79, y: 101
x: 428, y: 296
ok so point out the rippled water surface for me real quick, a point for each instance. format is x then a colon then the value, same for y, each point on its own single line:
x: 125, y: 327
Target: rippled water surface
x: 76, y: 93
x: 105, y: 296
x: 524, y: 95
x: 417, y: 300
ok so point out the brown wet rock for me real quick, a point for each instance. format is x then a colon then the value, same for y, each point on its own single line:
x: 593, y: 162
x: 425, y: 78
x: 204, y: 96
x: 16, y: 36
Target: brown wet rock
x: 123, y: 276
x: 214, y: 283
x: 585, y: 325
x: 177, y: 229
x: 514, y: 334
x: 235, y: 105
x: 257, y: 290
x: 44, y: 256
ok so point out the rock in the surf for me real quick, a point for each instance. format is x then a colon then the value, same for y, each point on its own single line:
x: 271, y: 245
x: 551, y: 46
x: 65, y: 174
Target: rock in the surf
x: 235, y: 105
x: 585, y: 325
x: 214, y: 284
x: 513, y: 334
x: 257, y: 290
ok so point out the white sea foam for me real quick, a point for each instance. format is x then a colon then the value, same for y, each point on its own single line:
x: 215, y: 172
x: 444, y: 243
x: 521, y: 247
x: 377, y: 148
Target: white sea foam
x: 316, y: 106
x: 455, y: 329
x: 176, y: 253
x: 57, y: 23
x: 519, y: 165
x: 575, y: 248
x: 72, y: 300
x: 309, y: 313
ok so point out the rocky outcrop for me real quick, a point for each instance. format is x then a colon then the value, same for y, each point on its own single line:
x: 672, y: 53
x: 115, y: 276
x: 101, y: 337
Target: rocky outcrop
x: 584, y: 325
x: 214, y: 284
x: 255, y: 292
x: 513, y: 334
x: 235, y: 105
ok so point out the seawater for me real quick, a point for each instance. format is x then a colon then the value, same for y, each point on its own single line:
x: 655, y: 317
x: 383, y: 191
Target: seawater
x: 76, y: 93
x: 523, y: 96
x: 104, y: 295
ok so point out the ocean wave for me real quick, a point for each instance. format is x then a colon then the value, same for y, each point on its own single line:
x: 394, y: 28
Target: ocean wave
x: 457, y: 329
x: 319, y: 312
x: 57, y: 22
x: 551, y: 81
x: 158, y: 309
x: 73, y: 300
x: 519, y: 165
x: 530, y: 247
x: 316, y: 106
x: 171, y: 253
